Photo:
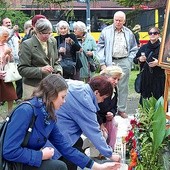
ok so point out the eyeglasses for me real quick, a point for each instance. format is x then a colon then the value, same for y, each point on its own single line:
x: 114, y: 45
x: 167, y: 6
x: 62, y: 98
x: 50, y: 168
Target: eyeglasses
x: 45, y: 33
x: 154, y: 33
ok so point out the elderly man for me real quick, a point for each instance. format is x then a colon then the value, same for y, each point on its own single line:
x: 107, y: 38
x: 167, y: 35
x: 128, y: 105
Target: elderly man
x: 117, y: 45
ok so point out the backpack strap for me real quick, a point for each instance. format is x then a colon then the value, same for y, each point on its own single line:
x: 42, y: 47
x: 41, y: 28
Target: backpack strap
x: 29, y: 131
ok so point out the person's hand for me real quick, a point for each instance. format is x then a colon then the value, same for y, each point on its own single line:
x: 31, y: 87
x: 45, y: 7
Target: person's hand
x: 48, y: 153
x: 106, y: 166
x: 15, y: 28
x: 142, y: 58
x: 2, y: 74
x: 109, y: 116
x: 102, y: 128
x: 62, y: 50
x: 103, y: 67
x: 69, y: 40
x: 47, y: 69
x: 104, y: 131
x: 115, y: 158
x: 89, y: 53
x: 153, y: 63
x: 8, y: 51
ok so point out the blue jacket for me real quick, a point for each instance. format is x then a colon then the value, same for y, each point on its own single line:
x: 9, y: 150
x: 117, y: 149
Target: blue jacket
x: 78, y: 115
x: 43, y: 129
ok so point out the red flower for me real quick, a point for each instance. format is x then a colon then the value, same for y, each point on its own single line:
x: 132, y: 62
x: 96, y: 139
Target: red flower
x: 134, y: 143
x: 133, y: 122
x: 130, y: 135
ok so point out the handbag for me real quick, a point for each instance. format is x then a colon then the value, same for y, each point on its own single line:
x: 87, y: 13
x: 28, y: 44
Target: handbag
x: 94, y: 64
x: 138, y: 82
x: 7, y: 165
x: 68, y: 65
x: 12, y: 73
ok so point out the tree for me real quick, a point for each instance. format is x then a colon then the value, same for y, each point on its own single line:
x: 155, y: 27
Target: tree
x: 17, y: 17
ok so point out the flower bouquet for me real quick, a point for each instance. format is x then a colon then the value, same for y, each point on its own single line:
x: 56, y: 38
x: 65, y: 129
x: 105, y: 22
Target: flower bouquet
x: 148, y: 136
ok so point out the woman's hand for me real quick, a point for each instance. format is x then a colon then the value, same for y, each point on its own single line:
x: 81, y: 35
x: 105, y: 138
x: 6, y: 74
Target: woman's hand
x: 104, y: 131
x: 106, y: 166
x: 102, y: 128
x: 89, y: 53
x: 109, y: 116
x: 115, y: 158
x: 2, y: 74
x: 69, y: 40
x: 48, y: 153
x: 47, y: 69
x: 62, y: 50
x: 153, y: 63
x: 142, y: 58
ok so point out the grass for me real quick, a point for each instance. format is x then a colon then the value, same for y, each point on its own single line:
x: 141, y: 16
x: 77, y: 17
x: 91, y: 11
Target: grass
x: 131, y: 82
x: 132, y: 93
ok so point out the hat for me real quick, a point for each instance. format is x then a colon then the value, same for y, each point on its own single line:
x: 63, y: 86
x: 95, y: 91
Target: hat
x: 137, y: 27
x: 36, y: 18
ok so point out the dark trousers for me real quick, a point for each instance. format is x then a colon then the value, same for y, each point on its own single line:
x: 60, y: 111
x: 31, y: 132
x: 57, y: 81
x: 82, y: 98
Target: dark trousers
x: 69, y: 164
x: 19, y: 88
x: 48, y: 165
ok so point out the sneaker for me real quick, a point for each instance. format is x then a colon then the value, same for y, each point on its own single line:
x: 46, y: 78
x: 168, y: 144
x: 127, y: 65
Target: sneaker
x: 122, y: 114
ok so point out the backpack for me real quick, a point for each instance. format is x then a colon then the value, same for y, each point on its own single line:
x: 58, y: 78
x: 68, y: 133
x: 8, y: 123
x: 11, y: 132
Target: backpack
x: 4, y: 164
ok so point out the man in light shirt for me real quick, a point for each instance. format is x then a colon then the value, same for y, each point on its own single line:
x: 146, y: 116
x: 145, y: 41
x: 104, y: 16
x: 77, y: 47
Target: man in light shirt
x: 117, y: 45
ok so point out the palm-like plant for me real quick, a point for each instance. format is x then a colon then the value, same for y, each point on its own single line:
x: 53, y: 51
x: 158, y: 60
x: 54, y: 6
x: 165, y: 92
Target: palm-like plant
x: 150, y: 135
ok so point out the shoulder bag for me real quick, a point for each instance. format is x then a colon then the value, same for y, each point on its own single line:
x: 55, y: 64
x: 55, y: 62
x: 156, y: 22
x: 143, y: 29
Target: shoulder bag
x: 138, y: 80
x: 12, y: 73
x: 7, y: 165
x: 67, y: 63
x: 94, y: 64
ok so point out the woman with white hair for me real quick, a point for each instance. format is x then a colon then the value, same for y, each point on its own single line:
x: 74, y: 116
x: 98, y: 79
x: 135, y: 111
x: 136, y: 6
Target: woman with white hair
x: 68, y: 47
x: 89, y: 46
x: 7, y: 90
x: 108, y: 108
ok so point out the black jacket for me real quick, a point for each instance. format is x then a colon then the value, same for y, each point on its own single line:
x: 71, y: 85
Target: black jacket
x: 73, y: 48
x: 108, y: 105
x: 153, y: 79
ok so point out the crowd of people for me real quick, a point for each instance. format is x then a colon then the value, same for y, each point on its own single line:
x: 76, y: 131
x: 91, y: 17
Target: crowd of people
x: 71, y: 100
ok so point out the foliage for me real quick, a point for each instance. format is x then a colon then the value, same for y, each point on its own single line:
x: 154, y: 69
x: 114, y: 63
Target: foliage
x: 17, y: 17
x: 132, y: 3
x: 148, y: 136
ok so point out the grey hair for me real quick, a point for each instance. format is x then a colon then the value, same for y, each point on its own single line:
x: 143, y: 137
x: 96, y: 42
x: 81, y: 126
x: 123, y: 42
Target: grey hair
x: 43, y: 25
x: 81, y: 26
x: 27, y: 24
x: 61, y: 24
x: 3, y: 30
x: 120, y: 14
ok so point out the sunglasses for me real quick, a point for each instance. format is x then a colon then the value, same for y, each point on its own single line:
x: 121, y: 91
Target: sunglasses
x: 154, y: 33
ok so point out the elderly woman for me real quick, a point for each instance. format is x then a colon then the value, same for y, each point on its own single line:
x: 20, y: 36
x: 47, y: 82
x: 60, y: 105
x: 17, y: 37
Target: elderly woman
x: 108, y: 108
x: 88, y: 45
x: 68, y: 47
x: 7, y: 90
x: 38, y: 56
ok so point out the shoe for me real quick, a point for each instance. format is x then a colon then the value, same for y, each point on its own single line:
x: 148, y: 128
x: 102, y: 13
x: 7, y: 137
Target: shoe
x: 18, y: 101
x: 122, y: 114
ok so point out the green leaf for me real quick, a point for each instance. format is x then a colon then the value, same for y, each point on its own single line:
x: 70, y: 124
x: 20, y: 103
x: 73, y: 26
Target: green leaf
x: 159, y: 126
